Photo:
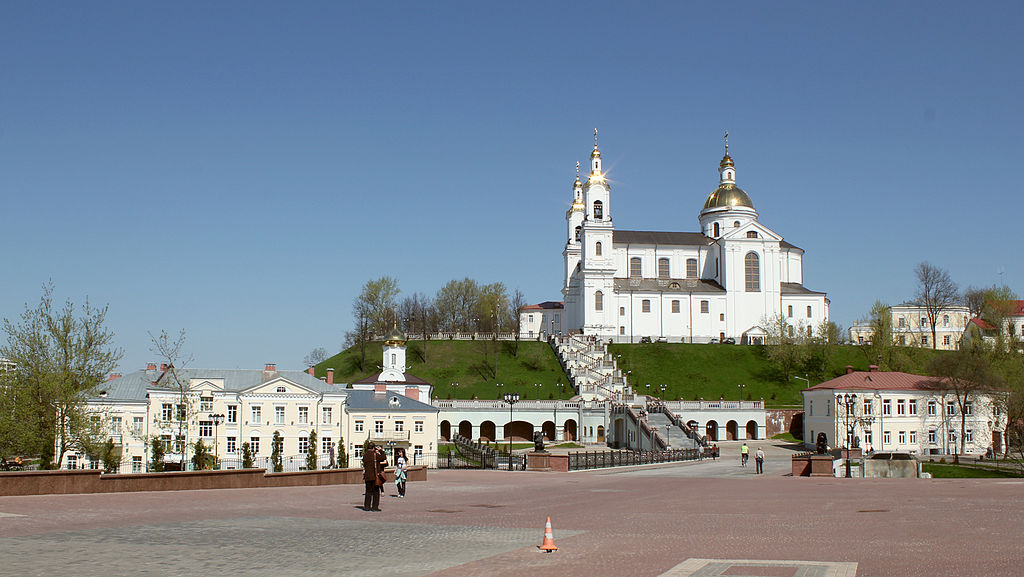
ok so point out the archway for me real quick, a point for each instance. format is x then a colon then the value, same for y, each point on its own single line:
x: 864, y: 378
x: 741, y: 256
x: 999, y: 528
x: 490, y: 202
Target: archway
x: 548, y: 429
x: 466, y: 429
x: 752, y: 430
x: 446, y: 430
x: 569, y: 431
x: 711, y: 430
x: 731, y: 431
x: 519, y: 429
x: 487, y: 431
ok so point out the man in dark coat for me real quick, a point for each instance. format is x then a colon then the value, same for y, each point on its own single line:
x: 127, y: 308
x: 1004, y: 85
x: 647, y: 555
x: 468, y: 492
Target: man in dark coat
x: 374, y: 462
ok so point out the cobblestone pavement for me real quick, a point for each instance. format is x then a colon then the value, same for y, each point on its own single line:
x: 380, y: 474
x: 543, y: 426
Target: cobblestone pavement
x: 658, y: 520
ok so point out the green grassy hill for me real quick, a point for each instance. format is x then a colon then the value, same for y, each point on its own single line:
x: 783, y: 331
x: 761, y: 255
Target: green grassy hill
x: 468, y: 363
x: 689, y: 371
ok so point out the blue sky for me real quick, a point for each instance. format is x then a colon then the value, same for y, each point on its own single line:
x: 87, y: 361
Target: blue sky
x: 239, y: 170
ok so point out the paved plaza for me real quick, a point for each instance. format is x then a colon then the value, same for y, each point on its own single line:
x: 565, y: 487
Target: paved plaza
x: 672, y: 520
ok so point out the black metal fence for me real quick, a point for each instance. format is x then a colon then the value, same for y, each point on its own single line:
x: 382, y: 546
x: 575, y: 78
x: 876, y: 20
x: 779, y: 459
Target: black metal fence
x: 579, y: 460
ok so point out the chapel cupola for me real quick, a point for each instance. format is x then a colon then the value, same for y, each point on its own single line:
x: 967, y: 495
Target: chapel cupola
x: 596, y: 173
x: 728, y: 206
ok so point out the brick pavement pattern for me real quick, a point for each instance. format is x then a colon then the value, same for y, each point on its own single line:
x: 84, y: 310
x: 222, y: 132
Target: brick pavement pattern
x: 646, y: 521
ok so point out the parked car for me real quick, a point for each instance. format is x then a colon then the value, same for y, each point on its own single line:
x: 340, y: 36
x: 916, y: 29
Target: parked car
x: 662, y: 339
x: 645, y: 340
x: 729, y: 341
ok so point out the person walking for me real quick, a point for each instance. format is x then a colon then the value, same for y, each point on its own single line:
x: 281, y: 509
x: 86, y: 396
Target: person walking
x: 714, y: 452
x: 759, y: 460
x: 374, y: 462
x: 744, y: 455
x: 401, y: 466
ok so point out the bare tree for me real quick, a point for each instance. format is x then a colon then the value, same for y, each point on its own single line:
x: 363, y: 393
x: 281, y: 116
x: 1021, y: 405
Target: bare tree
x: 315, y: 357
x: 784, y: 344
x: 174, y: 360
x: 936, y: 292
x: 62, y: 359
x: 964, y: 373
x: 515, y: 306
x: 974, y: 298
x: 417, y: 314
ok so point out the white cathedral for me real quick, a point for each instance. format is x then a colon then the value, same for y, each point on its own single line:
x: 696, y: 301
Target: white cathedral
x: 723, y: 282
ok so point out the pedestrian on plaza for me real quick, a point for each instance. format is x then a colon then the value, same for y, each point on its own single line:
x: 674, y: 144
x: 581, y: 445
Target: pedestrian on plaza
x: 714, y: 452
x: 374, y: 461
x: 759, y: 460
x: 401, y: 466
x: 330, y: 453
x: 744, y: 455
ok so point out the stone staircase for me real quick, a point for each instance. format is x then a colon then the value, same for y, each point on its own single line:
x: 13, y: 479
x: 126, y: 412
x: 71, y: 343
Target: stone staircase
x: 592, y: 369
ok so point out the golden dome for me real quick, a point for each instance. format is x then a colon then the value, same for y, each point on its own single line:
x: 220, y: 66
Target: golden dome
x: 728, y: 195
x: 395, y: 337
x: 726, y: 161
x: 596, y: 153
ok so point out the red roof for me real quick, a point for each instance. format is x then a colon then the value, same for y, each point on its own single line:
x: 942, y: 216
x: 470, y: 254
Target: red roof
x: 879, y: 381
x: 545, y: 305
x: 982, y: 324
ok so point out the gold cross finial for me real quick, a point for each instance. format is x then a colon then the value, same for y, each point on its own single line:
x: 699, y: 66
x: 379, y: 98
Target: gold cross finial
x: 595, y: 138
x: 577, y: 170
x: 727, y: 143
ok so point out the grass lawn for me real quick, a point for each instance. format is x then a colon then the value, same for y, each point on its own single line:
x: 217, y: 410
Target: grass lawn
x: 787, y: 437
x: 947, y: 471
x: 464, y: 369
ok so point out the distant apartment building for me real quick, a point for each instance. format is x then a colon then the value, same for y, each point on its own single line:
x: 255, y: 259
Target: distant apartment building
x: 541, y: 319
x: 911, y: 327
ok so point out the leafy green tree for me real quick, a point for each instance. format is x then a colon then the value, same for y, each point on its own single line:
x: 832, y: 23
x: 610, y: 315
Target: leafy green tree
x: 374, y: 312
x: 202, y: 458
x: 342, y: 455
x: 62, y: 358
x: 457, y: 305
x: 247, y: 456
x: 276, y: 450
x: 111, y: 456
x: 156, y: 452
x: 311, y: 463
x: 784, y: 344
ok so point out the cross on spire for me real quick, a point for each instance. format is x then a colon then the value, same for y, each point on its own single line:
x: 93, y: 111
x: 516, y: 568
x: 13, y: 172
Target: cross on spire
x: 727, y: 143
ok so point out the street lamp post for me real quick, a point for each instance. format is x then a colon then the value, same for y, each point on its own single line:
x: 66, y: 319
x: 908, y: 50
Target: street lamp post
x: 663, y: 387
x: 849, y: 400
x: 217, y: 420
x: 742, y: 388
x: 455, y: 389
x: 538, y: 386
x: 511, y: 399
x: 648, y: 389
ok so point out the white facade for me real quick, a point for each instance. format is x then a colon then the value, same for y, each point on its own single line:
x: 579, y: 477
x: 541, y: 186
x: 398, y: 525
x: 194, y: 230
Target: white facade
x: 901, y: 412
x: 540, y: 320
x: 911, y: 328
x: 722, y: 282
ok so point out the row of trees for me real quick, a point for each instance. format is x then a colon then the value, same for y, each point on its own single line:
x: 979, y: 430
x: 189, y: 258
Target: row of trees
x: 458, y: 306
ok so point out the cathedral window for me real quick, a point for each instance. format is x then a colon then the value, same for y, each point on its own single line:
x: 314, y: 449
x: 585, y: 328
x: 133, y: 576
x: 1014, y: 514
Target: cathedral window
x: 691, y: 268
x: 675, y: 306
x: 808, y: 312
x: 791, y: 331
x: 599, y: 301
x: 752, y: 266
x: 634, y: 267
x: 809, y: 331
x: 735, y: 224
x: 622, y: 330
x: 597, y: 249
x: 945, y: 320
x: 705, y: 307
x: 622, y: 311
x: 715, y: 233
x: 577, y: 234
x: 598, y: 210
x: 789, y: 311
x: 751, y: 234
x: 645, y: 306
x: 663, y: 268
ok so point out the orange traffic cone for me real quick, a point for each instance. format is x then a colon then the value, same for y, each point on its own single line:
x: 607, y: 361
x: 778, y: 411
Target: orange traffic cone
x: 549, y: 541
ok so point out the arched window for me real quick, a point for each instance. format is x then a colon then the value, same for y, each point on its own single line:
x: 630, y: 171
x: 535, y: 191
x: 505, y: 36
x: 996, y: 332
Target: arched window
x: 599, y: 301
x: 662, y: 268
x: 634, y: 267
x: 577, y: 234
x: 790, y: 330
x: 945, y: 320
x: 715, y: 233
x: 691, y: 268
x: 752, y: 266
x: 751, y: 234
x: 597, y: 249
x: 645, y: 305
x: 735, y: 224
x: 598, y: 210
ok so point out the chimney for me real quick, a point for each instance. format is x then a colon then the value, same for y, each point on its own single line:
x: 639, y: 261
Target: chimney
x: 113, y: 376
x: 270, y: 367
x: 150, y: 366
x: 330, y: 376
x: 163, y: 367
x: 311, y: 372
x: 873, y: 368
x: 849, y: 369
x: 380, y: 388
x: 413, y: 393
